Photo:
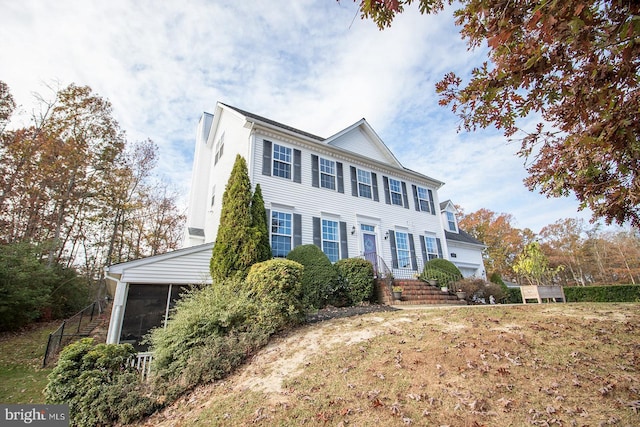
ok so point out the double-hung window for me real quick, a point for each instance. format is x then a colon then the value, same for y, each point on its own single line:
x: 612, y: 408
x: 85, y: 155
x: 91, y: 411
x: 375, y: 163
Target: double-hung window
x: 280, y: 233
x: 451, y: 219
x: 330, y: 239
x: 402, y: 250
x: 282, y: 161
x: 395, y: 190
x: 364, y: 183
x: 219, y: 149
x: 327, y: 174
x: 431, y: 247
x: 423, y: 199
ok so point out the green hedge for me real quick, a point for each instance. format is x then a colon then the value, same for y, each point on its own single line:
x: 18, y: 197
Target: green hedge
x: 614, y: 293
x: 357, y: 275
x: 320, y: 280
x: 514, y: 296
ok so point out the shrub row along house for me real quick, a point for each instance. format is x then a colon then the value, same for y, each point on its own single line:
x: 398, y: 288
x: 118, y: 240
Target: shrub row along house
x: 347, y: 194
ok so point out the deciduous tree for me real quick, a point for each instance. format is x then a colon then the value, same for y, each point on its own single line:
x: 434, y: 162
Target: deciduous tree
x: 575, y: 64
x: 504, y: 241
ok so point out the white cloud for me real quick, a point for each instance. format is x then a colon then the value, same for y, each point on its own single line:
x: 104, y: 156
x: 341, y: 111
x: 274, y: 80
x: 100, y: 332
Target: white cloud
x: 310, y: 64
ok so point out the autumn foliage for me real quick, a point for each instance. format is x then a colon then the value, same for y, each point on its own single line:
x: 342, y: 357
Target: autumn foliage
x: 574, y: 66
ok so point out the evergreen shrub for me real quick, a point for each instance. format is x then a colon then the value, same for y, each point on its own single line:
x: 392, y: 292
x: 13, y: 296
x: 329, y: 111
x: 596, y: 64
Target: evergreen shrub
x: 320, y: 280
x: 613, y: 293
x: 99, y: 385
x: 442, y: 270
x: 277, y: 283
x: 210, y: 332
x: 357, y: 275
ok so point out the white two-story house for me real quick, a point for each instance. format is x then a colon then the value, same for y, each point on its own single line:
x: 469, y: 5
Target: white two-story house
x: 347, y: 194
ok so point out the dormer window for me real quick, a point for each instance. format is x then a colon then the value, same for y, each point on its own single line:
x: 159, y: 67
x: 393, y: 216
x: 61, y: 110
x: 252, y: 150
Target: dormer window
x: 451, y: 220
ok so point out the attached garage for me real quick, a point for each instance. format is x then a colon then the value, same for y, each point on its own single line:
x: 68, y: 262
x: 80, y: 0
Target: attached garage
x: 145, y: 290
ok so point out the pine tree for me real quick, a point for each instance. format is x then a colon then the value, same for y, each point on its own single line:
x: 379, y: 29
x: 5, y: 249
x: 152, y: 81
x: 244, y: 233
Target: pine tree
x: 259, y: 222
x: 236, y: 246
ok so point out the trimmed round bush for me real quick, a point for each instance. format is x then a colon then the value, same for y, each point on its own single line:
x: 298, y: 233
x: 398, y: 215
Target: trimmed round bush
x: 320, y: 280
x: 442, y: 270
x: 277, y: 283
x: 357, y: 275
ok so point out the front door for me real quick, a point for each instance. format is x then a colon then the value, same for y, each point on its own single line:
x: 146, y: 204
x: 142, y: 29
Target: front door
x: 370, y: 253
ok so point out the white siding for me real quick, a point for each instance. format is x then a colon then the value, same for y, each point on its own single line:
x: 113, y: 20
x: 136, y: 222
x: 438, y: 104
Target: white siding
x: 357, y: 141
x: 310, y: 201
x: 467, y: 258
x: 177, y: 267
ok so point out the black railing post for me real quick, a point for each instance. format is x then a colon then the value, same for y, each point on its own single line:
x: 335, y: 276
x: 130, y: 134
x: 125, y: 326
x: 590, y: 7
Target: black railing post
x: 61, y: 333
x: 46, y: 353
x: 93, y: 307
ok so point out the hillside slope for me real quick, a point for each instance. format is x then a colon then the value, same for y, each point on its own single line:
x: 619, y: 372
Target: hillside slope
x: 559, y: 364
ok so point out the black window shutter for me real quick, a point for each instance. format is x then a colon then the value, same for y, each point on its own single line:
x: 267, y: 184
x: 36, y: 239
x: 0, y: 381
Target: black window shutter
x: 344, y: 248
x: 315, y: 171
x: 387, y: 195
x: 374, y: 181
x: 412, y: 248
x: 415, y: 196
x: 394, y: 255
x: 340, y: 177
x: 354, y: 182
x: 297, y: 168
x: 266, y: 157
x: 317, y: 240
x: 433, y: 207
x: 405, y: 198
x: 297, y: 230
x: 439, y: 244
x: 268, y: 220
x: 423, y: 247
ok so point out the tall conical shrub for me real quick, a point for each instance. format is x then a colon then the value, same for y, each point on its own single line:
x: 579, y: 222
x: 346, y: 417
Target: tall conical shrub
x: 236, y: 247
x: 259, y: 222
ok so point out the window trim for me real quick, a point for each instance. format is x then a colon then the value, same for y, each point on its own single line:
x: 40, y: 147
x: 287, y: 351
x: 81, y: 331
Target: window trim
x: 333, y: 176
x: 276, y: 159
x: 431, y: 255
x: 400, y: 258
x: 369, y: 184
x: 422, y: 200
x: 395, y: 196
x: 451, y: 221
x: 324, y: 222
x: 272, y: 233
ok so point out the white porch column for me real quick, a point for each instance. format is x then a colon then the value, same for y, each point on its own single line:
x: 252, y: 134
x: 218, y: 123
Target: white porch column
x: 117, y: 313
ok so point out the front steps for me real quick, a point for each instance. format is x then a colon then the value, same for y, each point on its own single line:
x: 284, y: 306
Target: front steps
x: 415, y: 292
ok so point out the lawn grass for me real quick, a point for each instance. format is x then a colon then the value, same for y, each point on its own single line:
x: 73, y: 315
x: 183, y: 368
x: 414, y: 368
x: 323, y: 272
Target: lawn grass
x: 550, y: 364
x: 22, y: 377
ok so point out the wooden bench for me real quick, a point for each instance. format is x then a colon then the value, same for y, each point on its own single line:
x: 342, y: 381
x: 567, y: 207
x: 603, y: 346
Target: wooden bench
x: 542, y: 292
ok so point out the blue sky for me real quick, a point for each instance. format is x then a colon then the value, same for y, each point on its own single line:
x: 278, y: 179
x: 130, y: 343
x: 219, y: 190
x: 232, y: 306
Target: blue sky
x: 311, y: 64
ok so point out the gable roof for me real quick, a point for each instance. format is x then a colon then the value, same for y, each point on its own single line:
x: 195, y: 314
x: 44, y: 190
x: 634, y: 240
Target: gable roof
x: 334, y: 140
x: 445, y: 204
x: 342, y: 140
